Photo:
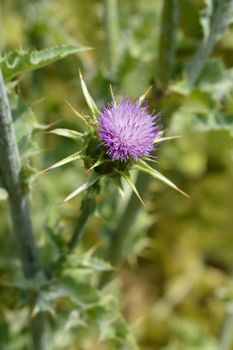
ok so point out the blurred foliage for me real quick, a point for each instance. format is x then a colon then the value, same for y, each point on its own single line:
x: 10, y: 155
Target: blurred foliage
x: 175, y: 285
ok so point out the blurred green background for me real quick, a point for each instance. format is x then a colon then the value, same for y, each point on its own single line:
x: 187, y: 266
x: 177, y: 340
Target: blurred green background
x: 174, y: 284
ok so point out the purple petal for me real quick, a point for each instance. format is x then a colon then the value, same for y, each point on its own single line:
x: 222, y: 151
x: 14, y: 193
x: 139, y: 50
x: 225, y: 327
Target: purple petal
x: 128, y: 130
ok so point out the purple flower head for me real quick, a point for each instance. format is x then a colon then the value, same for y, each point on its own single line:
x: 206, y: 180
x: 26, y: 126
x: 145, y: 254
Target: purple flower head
x: 128, y: 130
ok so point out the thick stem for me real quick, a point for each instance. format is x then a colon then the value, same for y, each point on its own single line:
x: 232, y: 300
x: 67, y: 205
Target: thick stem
x: 10, y: 171
x: 226, y: 337
x: 218, y: 26
x: 167, y: 43
x: 112, y: 36
x: 10, y: 166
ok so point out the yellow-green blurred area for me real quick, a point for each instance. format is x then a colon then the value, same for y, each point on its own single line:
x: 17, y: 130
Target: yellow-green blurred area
x: 175, y: 283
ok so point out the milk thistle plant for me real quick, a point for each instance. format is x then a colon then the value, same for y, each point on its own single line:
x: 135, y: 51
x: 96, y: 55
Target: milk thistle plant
x: 59, y: 296
x: 118, y: 139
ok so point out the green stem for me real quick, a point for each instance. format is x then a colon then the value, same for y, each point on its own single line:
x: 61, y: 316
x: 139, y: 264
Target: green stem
x: 88, y: 206
x: 121, y: 232
x: 218, y: 26
x: 167, y: 43
x: 112, y: 36
x: 10, y: 166
x: 226, y: 337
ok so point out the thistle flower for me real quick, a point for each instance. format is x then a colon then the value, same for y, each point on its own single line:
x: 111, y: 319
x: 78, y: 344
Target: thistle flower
x: 128, y: 130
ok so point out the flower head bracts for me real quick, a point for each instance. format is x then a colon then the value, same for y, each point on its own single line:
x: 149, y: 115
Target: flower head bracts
x: 128, y: 130
x: 118, y: 139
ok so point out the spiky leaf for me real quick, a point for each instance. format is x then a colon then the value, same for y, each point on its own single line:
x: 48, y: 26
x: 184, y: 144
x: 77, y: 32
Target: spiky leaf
x: 146, y: 93
x: 79, y: 115
x: 90, y: 102
x: 167, y: 138
x: 71, y: 134
x: 91, y: 181
x: 20, y: 61
x: 73, y: 157
x: 131, y: 184
x: 146, y: 168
